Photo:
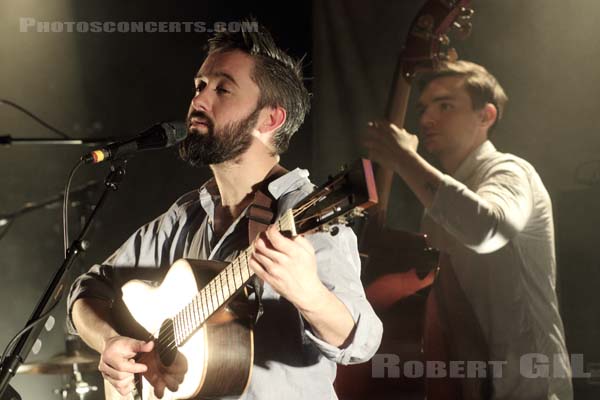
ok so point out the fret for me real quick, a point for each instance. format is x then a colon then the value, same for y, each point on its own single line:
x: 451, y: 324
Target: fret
x: 216, y: 294
x: 241, y: 268
x: 174, y: 319
x: 205, y: 303
x: 198, y: 299
x: 177, y: 329
x: 207, y: 299
x: 247, y: 265
x: 191, y: 319
x: 194, y: 313
x: 220, y: 290
x: 211, y: 297
x: 235, y: 266
x: 186, y: 313
x: 200, y: 311
x: 228, y: 282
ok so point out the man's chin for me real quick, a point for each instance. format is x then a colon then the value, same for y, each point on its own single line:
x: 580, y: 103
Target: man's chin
x: 197, y: 130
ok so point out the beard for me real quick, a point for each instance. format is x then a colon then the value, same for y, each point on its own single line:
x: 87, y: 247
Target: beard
x: 217, y: 146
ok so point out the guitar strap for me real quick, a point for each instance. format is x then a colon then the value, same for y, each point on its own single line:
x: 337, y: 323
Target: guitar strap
x: 261, y: 213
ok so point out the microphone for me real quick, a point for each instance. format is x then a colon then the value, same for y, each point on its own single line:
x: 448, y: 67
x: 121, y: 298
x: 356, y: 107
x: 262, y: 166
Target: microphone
x: 159, y: 136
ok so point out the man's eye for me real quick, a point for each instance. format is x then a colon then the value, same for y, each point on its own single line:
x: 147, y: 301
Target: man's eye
x: 445, y: 106
x: 199, y: 87
x: 221, y: 89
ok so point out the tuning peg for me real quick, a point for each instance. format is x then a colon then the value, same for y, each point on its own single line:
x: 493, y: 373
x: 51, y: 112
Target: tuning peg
x: 463, y: 29
x: 357, y: 212
x: 426, y: 22
x: 444, y: 40
x: 341, y: 220
x: 466, y: 12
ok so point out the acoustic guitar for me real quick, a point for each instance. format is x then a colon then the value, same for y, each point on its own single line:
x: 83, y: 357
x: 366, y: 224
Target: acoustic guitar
x: 198, y: 308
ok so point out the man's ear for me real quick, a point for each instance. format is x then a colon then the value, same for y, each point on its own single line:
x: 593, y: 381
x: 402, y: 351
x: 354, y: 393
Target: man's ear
x: 271, y: 119
x: 489, y: 113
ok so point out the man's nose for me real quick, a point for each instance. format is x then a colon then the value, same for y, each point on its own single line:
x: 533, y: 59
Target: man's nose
x: 427, y: 119
x: 202, y: 100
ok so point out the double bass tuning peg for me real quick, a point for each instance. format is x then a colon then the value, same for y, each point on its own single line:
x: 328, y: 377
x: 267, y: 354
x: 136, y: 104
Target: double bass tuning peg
x: 462, y: 29
x: 466, y: 12
x: 462, y: 25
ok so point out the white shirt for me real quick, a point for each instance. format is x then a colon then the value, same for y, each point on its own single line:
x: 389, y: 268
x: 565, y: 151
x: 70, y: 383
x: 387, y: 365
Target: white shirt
x: 498, y: 230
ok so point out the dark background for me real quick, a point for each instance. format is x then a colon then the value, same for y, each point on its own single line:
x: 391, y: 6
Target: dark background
x: 546, y: 54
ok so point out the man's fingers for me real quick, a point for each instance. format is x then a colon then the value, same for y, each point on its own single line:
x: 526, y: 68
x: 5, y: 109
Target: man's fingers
x: 159, y: 389
x: 124, y: 387
x: 304, y: 243
x: 279, y: 242
x: 131, y: 366
x: 262, y: 247
x: 258, y: 269
x: 171, y: 382
x: 265, y: 262
x: 142, y: 347
x: 113, y: 373
x: 122, y: 382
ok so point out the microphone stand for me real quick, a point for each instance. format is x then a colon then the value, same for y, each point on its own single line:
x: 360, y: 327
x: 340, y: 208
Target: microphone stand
x: 7, y: 140
x: 54, y: 291
x: 6, y: 219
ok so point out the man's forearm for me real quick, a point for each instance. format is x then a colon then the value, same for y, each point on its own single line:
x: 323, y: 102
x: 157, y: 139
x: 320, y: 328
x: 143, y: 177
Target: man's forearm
x: 93, y: 322
x: 330, y: 319
x: 420, y: 176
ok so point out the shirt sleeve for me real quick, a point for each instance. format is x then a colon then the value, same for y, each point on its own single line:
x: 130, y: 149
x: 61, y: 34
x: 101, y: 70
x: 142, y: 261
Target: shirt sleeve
x: 146, y: 248
x: 338, y: 264
x: 487, y: 218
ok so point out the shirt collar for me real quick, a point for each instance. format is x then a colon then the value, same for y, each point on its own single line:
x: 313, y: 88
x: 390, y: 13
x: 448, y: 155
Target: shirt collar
x: 209, y: 192
x: 470, y: 164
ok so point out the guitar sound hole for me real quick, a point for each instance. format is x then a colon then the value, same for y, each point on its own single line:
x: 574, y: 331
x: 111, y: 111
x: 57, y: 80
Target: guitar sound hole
x: 167, y: 350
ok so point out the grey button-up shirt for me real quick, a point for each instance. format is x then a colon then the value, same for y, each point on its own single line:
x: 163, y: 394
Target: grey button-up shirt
x: 290, y: 361
x: 494, y: 218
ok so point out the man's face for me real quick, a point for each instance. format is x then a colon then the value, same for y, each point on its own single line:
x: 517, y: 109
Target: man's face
x: 223, y: 112
x: 448, y: 122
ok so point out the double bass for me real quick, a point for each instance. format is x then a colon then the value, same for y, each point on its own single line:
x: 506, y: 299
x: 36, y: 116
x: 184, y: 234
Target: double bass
x: 405, y: 278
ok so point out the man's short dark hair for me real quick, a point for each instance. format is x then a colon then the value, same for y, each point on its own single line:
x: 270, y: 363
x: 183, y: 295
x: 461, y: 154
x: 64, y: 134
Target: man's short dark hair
x: 482, y: 86
x: 278, y: 76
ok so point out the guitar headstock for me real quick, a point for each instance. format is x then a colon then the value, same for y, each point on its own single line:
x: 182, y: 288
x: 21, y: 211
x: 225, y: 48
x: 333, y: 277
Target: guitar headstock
x: 427, y: 43
x: 341, y: 199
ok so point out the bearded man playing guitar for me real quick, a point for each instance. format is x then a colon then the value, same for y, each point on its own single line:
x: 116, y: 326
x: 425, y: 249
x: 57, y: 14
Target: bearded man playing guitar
x: 249, y: 100
x: 490, y: 212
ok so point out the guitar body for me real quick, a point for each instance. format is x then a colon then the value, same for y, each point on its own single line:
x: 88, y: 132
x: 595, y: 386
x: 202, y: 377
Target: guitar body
x: 219, y: 354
